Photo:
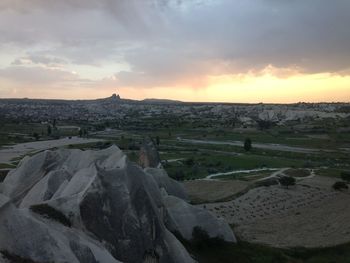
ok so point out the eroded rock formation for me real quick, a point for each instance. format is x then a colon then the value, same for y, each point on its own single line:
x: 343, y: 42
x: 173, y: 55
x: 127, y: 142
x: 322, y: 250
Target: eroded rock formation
x: 96, y: 206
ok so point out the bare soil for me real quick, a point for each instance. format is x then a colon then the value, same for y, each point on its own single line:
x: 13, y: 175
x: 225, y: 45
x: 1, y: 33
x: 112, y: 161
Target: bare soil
x: 310, y: 214
x: 209, y: 191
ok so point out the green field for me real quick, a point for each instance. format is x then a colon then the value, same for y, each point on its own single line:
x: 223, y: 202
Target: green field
x: 200, y: 160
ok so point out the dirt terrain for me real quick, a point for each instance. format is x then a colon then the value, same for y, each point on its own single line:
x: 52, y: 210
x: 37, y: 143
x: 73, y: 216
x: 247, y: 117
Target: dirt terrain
x: 309, y: 214
x: 201, y: 191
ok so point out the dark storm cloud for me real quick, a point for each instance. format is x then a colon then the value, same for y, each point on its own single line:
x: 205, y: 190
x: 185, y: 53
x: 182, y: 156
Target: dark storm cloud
x: 163, y: 41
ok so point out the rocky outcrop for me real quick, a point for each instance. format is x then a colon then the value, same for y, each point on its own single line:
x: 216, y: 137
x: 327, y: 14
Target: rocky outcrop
x: 182, y: 218
x: 149, y: 156
x: 96, y: 206
x: 171, y: 186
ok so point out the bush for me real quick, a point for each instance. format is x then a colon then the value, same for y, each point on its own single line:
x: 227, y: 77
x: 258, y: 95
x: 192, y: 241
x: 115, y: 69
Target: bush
x: 264, y: 125
x: 345, y: 176
x: 287, y: 181
x: 179, y: 175
x: 267, y: 182
x: 36, y: 136
x: 189, y: 162
x: 340, y: 186
x: 297, y: 172
x: 201, y: 239
x: 51, y: 213
x: 248, y: 144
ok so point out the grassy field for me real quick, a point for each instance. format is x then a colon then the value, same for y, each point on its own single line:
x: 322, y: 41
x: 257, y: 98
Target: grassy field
x: 331, y: 172
x: 244, y: 176
x: 202, y: 164
x: 198, y: 161
x: 204, y: 159
x: 13, y: 133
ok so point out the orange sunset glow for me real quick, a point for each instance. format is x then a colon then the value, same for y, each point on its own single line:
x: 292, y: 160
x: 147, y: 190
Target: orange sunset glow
x: 209, y: 51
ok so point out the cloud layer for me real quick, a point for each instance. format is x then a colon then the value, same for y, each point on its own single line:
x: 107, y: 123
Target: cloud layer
x: 153, y: 43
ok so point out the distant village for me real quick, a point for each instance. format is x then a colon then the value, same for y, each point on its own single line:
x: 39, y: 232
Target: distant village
x: 114, y: 108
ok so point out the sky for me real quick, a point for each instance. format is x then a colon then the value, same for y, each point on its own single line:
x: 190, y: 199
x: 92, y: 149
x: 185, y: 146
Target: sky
x: 192, y: 50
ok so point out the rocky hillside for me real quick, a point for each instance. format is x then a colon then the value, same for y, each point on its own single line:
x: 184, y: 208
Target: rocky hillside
x: 96, y: 206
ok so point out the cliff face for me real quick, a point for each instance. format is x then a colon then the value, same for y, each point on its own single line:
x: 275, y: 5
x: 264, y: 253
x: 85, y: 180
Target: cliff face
x: 96, y: 206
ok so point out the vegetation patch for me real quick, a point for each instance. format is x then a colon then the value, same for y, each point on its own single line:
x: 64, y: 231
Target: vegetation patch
x: 202, y: 240
x: 340, y: 186
x: 345, y: 175
x: 244, y: 252
x: 287, y: 181
x: 330, y: 172
x: 297, y: 172
x: 218, y: 251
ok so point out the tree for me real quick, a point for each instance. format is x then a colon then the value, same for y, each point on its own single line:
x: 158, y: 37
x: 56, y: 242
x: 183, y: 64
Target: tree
x: 340, y: 186
x: 36, y: 136
x: 189, y: 162
x: 49, y: 130
x: 264, y: 125
x: 345, y: 176
x: 202, y: 240
x: 287, y: 181
x: 248, y: 144
x: 179, y: 175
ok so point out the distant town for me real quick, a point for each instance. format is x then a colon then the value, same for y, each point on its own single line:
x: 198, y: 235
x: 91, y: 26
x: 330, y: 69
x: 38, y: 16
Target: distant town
x: 224, y: 114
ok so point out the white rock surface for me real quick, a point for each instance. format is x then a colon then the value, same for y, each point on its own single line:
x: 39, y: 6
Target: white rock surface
x: 171, y: 186
x: 114, y: 209
x: 183, y: 218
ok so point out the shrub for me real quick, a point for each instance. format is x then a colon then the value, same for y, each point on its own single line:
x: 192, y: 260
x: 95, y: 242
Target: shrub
x: 248, y: 144
x: 267, y: 182
x: 36, y: 136
x: 51, y: 213
x: 287, y: 181
x: 297, y: 172
x: 340, y: 186
x: 179, y: 175
x: 189, y: 162
x: 201, y: 239
x: 264, y: 125
x: 345, y: 176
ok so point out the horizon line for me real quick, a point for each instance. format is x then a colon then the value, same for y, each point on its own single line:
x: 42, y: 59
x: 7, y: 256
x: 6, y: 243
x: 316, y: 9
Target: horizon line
x: 174, y: 100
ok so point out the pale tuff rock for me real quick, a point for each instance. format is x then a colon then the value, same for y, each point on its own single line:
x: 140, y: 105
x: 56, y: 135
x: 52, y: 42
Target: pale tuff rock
x: 149, y: 156
x: 183, y: 218
x: 96, y: 206
x: 171, y: 186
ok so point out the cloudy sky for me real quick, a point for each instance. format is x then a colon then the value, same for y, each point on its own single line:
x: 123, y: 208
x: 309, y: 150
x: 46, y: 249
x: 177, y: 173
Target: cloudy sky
x: 192, y: 50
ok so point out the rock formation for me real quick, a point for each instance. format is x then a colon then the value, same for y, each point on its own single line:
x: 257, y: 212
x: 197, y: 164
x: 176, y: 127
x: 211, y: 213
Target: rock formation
x: 149, y: 156
x: 96, y: 206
